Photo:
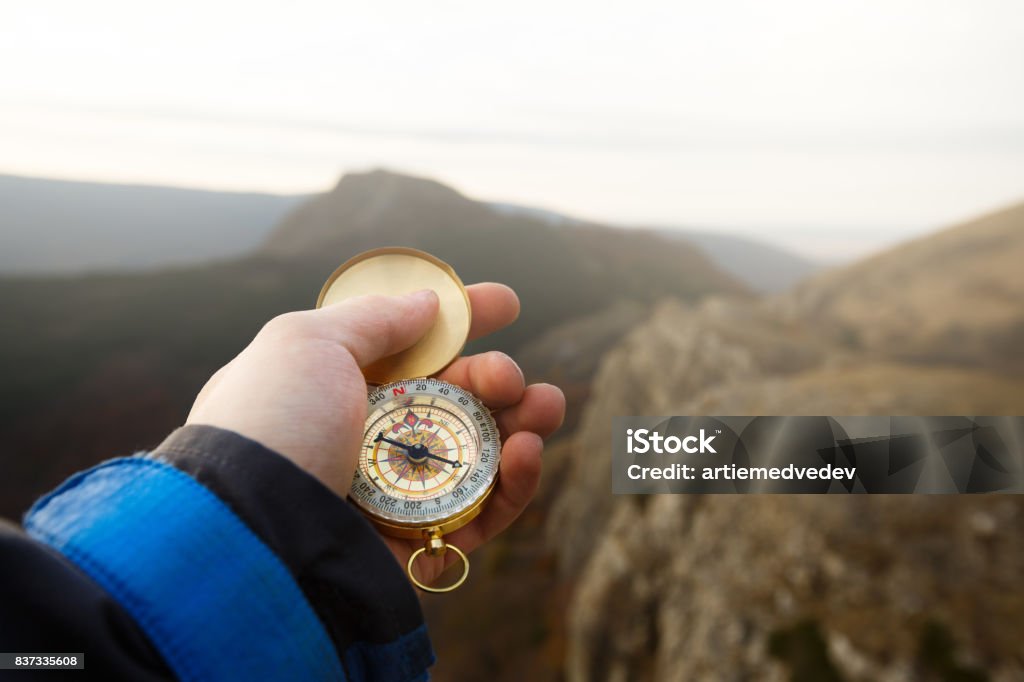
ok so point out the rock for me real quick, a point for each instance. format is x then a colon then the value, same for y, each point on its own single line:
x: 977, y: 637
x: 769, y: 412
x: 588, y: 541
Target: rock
x: 680, y: 587
x: 658, y: 369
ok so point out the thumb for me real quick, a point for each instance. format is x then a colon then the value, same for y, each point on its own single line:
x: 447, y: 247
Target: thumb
x: 374, y: 327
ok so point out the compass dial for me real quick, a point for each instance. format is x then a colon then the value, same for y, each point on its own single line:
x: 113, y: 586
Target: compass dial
x: 430, y: 451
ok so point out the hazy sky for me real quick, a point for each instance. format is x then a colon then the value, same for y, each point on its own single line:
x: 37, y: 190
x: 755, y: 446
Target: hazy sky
x: 830, y: 127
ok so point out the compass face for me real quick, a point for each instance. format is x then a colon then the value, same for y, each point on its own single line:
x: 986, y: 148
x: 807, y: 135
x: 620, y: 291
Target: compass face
x: 430, y: 452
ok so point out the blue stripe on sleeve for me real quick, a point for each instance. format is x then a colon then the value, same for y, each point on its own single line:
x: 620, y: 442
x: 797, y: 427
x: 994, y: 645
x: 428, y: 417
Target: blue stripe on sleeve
x: 215, y: 601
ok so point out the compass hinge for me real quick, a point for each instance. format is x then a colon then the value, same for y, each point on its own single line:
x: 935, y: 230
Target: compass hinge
x: 433, y: 542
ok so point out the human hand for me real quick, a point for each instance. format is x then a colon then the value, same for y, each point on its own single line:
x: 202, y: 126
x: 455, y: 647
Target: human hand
x: 298, y: 390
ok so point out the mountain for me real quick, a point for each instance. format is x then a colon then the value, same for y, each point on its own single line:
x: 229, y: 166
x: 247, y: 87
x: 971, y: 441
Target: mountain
x: 105, y: 364
x: 761, y: 266
x: 954, y: 297
x: 56, y: 226
x: 678, y: 587
x: 560, y: 272
x: 547, y: 215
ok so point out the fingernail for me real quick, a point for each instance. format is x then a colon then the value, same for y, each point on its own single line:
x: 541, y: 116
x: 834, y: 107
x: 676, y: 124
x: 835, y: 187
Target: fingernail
x: 423, y: 296
x: 515, y: 364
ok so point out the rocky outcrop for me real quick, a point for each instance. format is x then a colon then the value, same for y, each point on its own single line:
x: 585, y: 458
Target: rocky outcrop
x: 658, y: 369
x: 677, y: 587
x: 710, y: 588
x: 778, y: 587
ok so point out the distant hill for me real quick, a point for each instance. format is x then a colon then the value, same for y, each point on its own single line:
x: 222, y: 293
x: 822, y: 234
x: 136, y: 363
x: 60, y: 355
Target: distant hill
x: 759, y: 265
x: 105, y: 364
x: 956, y: 296
x: 56, y: 226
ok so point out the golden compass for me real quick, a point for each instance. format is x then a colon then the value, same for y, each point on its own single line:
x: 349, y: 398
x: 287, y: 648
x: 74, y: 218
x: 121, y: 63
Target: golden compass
x: 429, y: 457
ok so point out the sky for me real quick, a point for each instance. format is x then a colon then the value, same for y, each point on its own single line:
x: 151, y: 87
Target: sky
x: 831, y: 128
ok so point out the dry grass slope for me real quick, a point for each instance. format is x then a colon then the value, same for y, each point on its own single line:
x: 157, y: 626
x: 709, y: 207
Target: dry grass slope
x: 956, y: 296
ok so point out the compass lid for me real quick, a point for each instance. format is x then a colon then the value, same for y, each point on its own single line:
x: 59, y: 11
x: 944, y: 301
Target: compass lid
x: 397, y: 270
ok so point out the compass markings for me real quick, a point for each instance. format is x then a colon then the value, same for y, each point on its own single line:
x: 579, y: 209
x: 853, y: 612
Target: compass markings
x: 450, y: 433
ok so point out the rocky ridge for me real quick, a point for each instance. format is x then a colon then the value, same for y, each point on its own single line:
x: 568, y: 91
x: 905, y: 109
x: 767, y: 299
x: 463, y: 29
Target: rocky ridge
x: 807, y: 588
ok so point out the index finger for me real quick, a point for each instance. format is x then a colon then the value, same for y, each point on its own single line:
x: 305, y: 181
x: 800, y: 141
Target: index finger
x: 494, y: 306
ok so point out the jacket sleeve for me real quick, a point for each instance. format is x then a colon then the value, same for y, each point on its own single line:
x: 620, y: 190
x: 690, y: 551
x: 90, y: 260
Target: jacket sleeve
x: 210, y: 558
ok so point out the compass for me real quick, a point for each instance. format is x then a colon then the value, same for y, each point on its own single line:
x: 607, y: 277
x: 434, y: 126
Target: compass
x: 428, y: 461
